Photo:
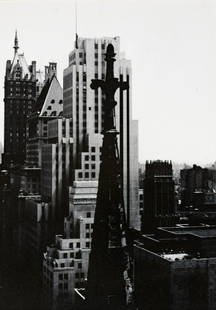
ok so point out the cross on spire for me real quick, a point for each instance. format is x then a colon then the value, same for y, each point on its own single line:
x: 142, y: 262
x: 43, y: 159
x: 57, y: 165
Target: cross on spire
x: 109, y: 87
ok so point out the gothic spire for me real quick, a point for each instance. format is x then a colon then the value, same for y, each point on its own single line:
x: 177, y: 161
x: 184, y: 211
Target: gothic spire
x: 108, y: 257
x: 16, y: 47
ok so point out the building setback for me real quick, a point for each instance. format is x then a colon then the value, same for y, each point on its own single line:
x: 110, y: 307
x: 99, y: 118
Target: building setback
x: 86, y: 108
x: 65, y: 264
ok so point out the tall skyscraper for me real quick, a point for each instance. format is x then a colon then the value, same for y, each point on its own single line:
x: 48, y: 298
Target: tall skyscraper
x: 159, y: 202
x: 86, y: 108
x: 22, y: 85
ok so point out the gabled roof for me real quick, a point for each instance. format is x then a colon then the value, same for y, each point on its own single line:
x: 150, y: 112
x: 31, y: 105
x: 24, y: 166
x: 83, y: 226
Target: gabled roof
x: 19, y: 61
x: 50, y: 101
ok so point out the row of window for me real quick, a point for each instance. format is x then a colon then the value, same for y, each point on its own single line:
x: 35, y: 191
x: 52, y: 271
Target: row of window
x: 86, y: 175
x: 53, y: 101
x: 102, y: 45
x: 87, y: 166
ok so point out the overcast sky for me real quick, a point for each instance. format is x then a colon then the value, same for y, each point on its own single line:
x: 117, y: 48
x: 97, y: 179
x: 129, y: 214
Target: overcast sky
x: 172, y: 45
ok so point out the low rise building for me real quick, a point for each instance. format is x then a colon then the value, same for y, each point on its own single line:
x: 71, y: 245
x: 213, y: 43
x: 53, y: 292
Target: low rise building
x: 175, y: 269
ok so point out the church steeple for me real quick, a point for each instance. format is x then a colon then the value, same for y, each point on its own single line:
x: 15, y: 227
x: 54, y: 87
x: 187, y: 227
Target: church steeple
x: 108, y: 262
x: 16, y: 47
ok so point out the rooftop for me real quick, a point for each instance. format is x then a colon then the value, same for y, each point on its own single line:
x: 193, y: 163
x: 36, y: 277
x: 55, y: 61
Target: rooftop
x: 198, y: 231
x: 175, y: 257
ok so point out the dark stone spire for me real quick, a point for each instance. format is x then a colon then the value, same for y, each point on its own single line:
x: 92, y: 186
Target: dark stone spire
x: 108, y: 259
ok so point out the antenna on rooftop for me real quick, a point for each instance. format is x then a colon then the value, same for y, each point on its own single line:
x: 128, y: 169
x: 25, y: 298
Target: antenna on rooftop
x: 76, y: 40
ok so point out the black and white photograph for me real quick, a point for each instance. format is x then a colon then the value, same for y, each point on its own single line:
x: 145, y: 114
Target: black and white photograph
x: 107, y: 155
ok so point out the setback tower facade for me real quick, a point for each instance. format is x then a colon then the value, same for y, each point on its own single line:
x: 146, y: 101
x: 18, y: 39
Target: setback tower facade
x: 86, y: 108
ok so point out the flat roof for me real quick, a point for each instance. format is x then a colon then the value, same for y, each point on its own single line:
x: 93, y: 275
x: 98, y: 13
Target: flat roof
x: 174, y: 257
x: 199, y: 231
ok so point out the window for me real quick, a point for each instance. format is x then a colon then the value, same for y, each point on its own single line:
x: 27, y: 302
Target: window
x: 87, y: 235
x: 88, y: 214
x: 86, y: 157
x: 60, y: 101
x: 96, y: 45
x: 71, y: 255
x: 93, y: 174
x: 80, y: 175
x: 65, y: 276
x: 62, y: 265
x: 65, y: 255
x: 71, y: 244
x: 78, y: 244
x: 52, y: 101
x: 93, y: 149
x: 60, y: 276
x: 72, y: 263
x: 65, y: 286
x: 87, y: 244
x: 87, y: 226
x: 86, y: 166
x: 60, y: 286
x: 86, y: 175
x: 93, y: 157
x: 49, y: 107
x: 79, y: 265
x: 78, y: 254
x: 93, y: 166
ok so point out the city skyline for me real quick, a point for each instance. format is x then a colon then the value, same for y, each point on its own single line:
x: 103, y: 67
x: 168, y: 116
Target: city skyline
x: 171, y: 46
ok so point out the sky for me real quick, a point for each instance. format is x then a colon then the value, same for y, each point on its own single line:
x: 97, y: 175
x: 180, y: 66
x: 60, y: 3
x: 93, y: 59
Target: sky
x: 172, y: 46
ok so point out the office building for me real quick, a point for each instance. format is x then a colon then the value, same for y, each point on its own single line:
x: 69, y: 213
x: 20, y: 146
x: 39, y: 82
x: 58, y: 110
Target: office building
x: 56, y: 172
x: 198, y: 185
x: 86, y: 108
x: 65, y: 264
x: 159, y: 196
x: 49, y: 106
x: 175, y: 269
x: 22, y: 86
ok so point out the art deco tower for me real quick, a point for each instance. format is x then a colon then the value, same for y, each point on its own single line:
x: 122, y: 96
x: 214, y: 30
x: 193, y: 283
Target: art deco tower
x: 21, y: 88
x: 86, y: 108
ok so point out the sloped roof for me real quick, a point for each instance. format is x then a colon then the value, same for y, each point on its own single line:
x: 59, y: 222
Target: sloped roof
x: 20, y: 61
x: 50, y: 100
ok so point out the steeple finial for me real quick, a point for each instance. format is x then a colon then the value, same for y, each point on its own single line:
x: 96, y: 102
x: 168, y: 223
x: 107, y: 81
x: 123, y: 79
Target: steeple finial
x: 16, y: 47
